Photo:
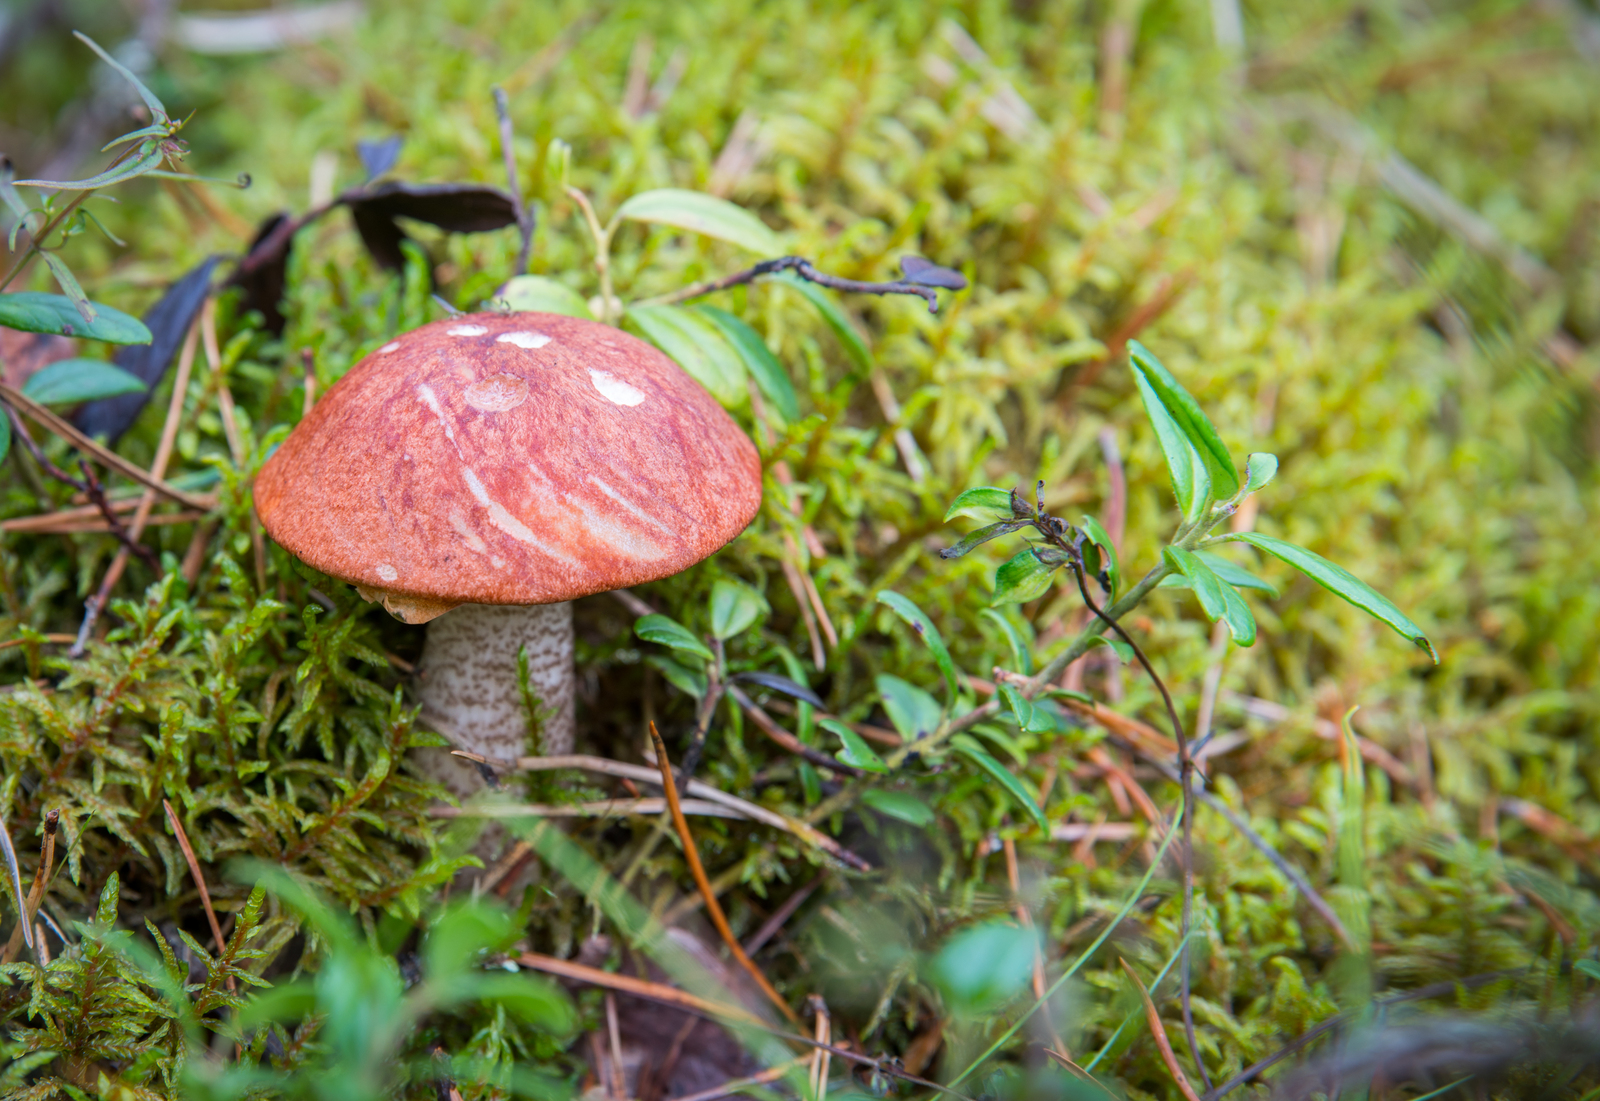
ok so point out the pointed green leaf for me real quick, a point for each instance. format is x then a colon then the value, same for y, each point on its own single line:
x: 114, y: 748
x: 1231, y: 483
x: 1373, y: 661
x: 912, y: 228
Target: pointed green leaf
x: 924, y: 627
x: 1234, y: 575
x: 669, y: 632
x: 540, y: 294
x: 1123, y: 651
x: 1021, y: 579
x: 1259, y: 469
x: 72, y: 380
x: 145, y: 94
x: 70, y: 287
x: 5, y: 437
x: 1021, y: 646
x: 1341, y: 582
x: 1102, y: 539
x: 691, y: 682
x: 146, y: 159
x: 969, y: 748
x: 1186, y: 412
x: 856, y: 753
x: 912, y: 711
x: 1019, y: 705
x: 696, y: 345
x: 705, y: 214
x: 1190, y: 482
x: 854, y: 346
x: 1219, y: 601
x: 34, y: 312
x: 898, y: 804
x: 771, y: 378
x: 734, y: 607
x: 983, y: 503
x: 973, y: 540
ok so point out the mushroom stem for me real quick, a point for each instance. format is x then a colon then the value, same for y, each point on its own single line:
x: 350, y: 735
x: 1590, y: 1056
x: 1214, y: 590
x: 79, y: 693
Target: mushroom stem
x: 470, y: 684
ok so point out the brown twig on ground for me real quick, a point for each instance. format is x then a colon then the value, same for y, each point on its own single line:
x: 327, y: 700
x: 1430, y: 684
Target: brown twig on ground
x: 768, y: 726
x: 41, y: 878
x: 819, y: 1055
x: 199, y: 880
x: 598, y: 808
x: 782, y: 914
x: 1159, y: 1032
x: 638, y: 988
x: 729, y: 1088
x: 130, y: 542
x: 713, y: 907
x: 619, y: 1085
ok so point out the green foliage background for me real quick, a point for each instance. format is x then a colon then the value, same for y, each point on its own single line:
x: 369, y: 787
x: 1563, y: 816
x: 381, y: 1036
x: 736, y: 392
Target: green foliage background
x: 1434, y: 416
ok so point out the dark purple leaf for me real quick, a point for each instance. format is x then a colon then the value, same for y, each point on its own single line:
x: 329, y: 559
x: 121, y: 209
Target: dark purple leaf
x: 381, y: 234
x: 784, y: 685
x: 377, y: 157
x: 925, y: 273
x: 168, y: 320
x: 459, y: 208
x: 262, y: 272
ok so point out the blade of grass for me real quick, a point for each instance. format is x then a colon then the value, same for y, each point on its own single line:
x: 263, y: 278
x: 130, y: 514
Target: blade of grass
x: 1159, y: 1031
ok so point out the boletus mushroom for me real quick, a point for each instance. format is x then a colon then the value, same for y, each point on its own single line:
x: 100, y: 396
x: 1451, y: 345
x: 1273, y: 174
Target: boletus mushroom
x: 481, y: 472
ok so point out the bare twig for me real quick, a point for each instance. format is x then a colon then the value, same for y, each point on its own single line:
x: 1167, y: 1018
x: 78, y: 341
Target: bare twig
x: 782, y: 914
x: 199, y: 879
x: 26, y: 908
x: 638, y: 988
x: 800, y: 266
x: 729, y: 1088
x: 598, y: 808
x: 768, y: 726
x: 713, y: 907
x: 524, y: 216
x: 1159, y: 1032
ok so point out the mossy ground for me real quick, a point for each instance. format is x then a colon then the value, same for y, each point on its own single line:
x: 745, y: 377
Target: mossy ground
x: 1433, y: 414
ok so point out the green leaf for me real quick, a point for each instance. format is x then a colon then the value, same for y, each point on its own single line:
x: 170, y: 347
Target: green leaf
x: 147, y: 158
x: 734, y: 607
x: 1339, y: 581
x: 1002, y: 738
x: 669, y: 632
x: 145, y: 94
x: 985, y: 966
x: 1102, y: 539
x: 854, y: 346
x: 1021, y: 646
x: 540, y: 294
x: 1021, y: 579
x: 1186, y: 412
x: 856, y: 752
x: 1259, y: 469
x: 1123, y: 651
x: 689, y: 681
x: 983, y: 503
x: 912, y: 711
x: 697, y: 346
x: 1020, y: 706
x: 462, y: 931
x: 1218, y: 600
x: 5, y: 437
x: 898, y: 804
x: 70, y: 287
x: 924, y: 627
x: 969, y: 748
x: 1587, y: 967
x: 771, y: 379
x: 532, y: 998
x: 705, y: 214
x: 1234, y: 575
x: 1190, y: 481
x: 975, y: 539
x: 34, y: 312
x: 73, y: 380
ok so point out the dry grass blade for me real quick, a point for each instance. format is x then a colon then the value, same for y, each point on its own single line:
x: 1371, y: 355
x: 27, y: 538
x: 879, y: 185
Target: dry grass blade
x: 601, y: 808
x: 638, y: 988
x: 1159, y: 1031
x: 230, y: 425
x: 819, y: 1057
x: 1066, y: 1061
x: 713, y: 907
x: 47, y: 419
x: 729, y: 1088
x: 199, y: 880
x: 26, y: 908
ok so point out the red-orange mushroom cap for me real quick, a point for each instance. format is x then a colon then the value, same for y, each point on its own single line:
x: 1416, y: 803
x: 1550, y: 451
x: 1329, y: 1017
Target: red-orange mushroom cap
x: 519, y: 458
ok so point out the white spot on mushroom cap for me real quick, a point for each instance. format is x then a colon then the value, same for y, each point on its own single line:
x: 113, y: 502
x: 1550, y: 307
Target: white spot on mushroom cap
x: 392, y: 346
x: 613, y: 389
x: 387, y: 572
x: 466, y: 330
x: 523, y: 339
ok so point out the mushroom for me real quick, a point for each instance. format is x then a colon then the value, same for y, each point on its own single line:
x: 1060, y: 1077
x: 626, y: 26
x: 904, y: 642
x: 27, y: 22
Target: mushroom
x: 485, y: 470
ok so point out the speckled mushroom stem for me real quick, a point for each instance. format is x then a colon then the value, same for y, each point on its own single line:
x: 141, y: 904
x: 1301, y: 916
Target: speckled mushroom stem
x: 468, y: 683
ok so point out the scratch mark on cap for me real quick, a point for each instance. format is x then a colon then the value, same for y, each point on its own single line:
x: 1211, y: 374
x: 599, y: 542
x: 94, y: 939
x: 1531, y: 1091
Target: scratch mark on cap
x: 502, y: 519
x: 523, y: 339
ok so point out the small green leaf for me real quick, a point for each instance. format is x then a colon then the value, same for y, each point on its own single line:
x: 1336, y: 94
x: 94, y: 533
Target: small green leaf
x: 70, y: 287
x: 1020, y: 706
x: 1218, y: 600
x: 145, y: 160
x: 462, y: 931
x: 540, y: 294
x: 5, y: 437
x: 856, y: 752
x: 1339, y: 581
x: 669, y: 632
x: 72, y: 380
x: 984, y: 966
x: 1021, y: 579
x: 898, y: 804
x: 691, y: 682
x: 969, y: 748
x: 1234, y: 575
x: 1191, y: 483
x: 1259, y: 469
x: 705, y: 214
x: 772, y: 380
x: 1587, y: 967
x: 924, y: 627
x: 983, y: 503
x: 973, y: 540
x: 145, y: 94
x: 34, y: 312
x: 1102, y: 539
x: 1123, y: 651
x: 855, y: 347
x: 734, y: 607
x: 1021, y: 646
x: 532, y: 998
x: 1002, y: 738
x: 912, y: 711
x: 697, y: 346
x: 1194, y: 424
